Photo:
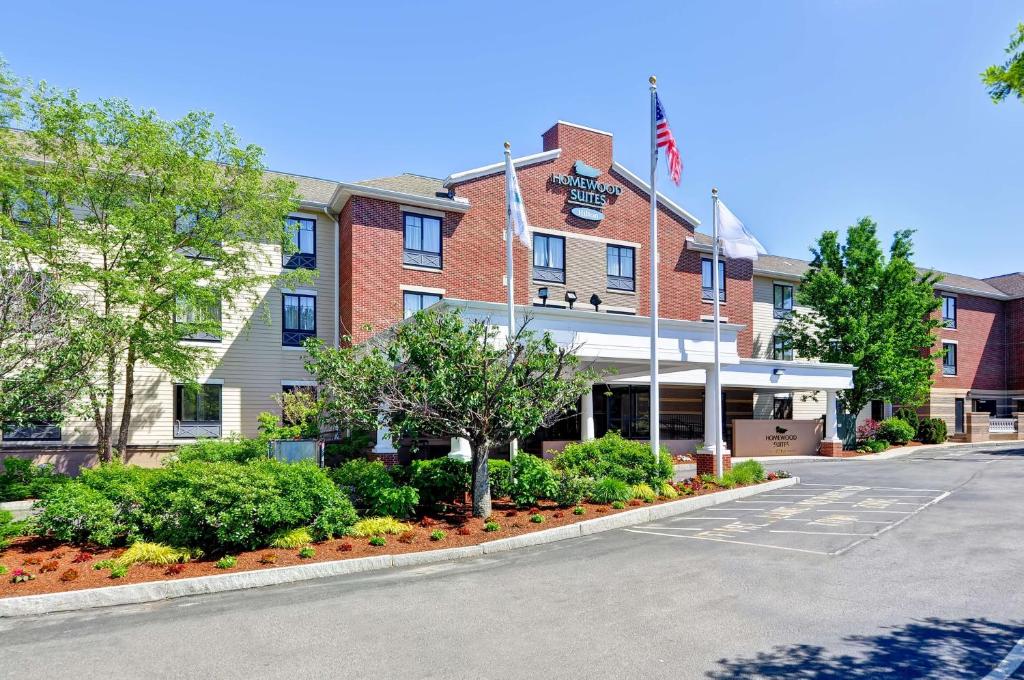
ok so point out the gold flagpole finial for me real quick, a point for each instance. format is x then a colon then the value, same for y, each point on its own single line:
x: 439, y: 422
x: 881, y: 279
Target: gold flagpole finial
x: 714, y: 191
x: 653, y: 80
x: 508, y: 147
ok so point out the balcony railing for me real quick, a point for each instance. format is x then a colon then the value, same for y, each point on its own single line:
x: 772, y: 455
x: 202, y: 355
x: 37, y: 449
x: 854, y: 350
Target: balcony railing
x: 1002, y: 425
x: 300, y: 261
x: 187, y: 429
x: 620, y: 282
x: 421, y: 258
x: 548, y: 274
x: 32, y: 433
x: 291, y: 338
x: 708, y: 293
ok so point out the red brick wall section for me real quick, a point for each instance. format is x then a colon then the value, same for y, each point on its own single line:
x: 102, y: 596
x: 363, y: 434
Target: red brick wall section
x: 474, y: 251
x: 1015, y: 344
x: 981, y: 345
x: 706, y: 463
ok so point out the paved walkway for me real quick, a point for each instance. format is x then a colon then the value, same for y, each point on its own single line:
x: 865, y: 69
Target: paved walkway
x: 926, y: 585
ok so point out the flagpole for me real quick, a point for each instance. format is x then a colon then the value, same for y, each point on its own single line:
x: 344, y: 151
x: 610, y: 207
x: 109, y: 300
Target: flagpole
x: 717, y: 374
x: 513, y: 446
x: 655, y: 394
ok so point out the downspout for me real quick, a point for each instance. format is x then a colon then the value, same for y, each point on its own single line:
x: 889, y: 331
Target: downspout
x: 337, y: 261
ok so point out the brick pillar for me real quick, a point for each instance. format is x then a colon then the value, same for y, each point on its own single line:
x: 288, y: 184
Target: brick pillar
x: 976, y: 429
x: 706, y: 463
x: 832, y: 449
x: 1020, y: 426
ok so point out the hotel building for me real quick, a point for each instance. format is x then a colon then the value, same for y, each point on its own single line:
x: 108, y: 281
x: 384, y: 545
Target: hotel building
x: 385, y: 248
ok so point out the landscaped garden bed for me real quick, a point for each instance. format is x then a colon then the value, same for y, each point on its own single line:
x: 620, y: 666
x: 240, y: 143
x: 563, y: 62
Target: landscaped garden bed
x: 222, y: 507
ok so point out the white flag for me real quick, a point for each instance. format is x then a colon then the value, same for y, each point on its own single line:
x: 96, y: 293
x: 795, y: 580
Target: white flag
x: 514, y: 201
x: 735, y: 240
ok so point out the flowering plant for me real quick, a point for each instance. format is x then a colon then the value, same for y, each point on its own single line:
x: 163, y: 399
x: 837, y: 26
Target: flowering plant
x: 867, y: 430
x: 20, y: 576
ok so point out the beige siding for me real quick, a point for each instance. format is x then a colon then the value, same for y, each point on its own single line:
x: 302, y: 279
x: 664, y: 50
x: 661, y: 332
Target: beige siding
x: 806, y: 405
x: 765, y: 322
x: 250, y: 361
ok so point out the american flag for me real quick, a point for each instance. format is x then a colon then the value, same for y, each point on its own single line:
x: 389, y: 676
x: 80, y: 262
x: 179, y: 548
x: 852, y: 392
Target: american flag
x: 665, y: 139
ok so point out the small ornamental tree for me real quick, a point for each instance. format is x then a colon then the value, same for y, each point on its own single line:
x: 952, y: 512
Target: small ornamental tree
x: 874, y: 312
x: 439, y: 375
x: 159, y: 226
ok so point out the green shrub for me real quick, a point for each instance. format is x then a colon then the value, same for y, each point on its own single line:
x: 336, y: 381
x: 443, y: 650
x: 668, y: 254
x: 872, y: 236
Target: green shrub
x: 572, y: 489
x: 932, y: 431
x: 3, y: 570
x: 227, y: 505
x: 378, y: 526
x: 118, y: 571
x: 499, y: 475
x: 75, y: 513
x: 537, y: 519
x: 378, y: 541
x: 726, y: 481
x: 438, y: 535
x: 613, y: 456
x: 579, y: 510
x: 226, y: 562
x: 873, y: 446
x: 492, y: 526
x: 747, y: 472
x: 441, y: 480
x: 307, y: 552
x: 895, y: 431
x: 610, y: 490
x: 356, y: 445
x: 289, y: 539
x: 909, y: 416
x: 232, y: 449
x: 643, y: 492
x: 618, y: 505
x: 127, y: 487
x: 371, y: 488
x: 533, y: 479
x: 22, y: 479
x: 668, y: 491
x: 7, y: 528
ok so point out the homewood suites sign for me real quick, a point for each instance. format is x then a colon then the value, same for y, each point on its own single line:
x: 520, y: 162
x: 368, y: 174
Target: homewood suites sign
x: 587, y: 195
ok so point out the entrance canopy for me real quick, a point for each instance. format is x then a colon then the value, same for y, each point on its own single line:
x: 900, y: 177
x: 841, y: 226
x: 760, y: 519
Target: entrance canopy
x: 685, y: 348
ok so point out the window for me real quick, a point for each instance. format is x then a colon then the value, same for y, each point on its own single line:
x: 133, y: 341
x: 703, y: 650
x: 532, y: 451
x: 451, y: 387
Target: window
x: 949, y: 358
x: 782, y: 303
x: 422, y: 244
x: 414, y: 302
x: 197, y: 322
x: 782, y: 408
x: 197, y: 411
x: 293, y: 407
x: 299, y: 319
x: 620, y: 268
x: 707, y: 285
x: 949, y: 311
x: 548, y: 258
x: 302, y: 232
x: 187, y: 223
x: 781, y: 348
x: 32, y: 432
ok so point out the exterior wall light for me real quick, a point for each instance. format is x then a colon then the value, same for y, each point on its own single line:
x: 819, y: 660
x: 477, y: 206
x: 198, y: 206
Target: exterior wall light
x: 596, y: 301
x: 542, y: 293
x: 570, y: 297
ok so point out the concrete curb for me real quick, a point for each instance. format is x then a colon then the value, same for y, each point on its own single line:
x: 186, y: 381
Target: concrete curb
x: 896, y: 452
x: 19, y: 509
x: 138, y: 593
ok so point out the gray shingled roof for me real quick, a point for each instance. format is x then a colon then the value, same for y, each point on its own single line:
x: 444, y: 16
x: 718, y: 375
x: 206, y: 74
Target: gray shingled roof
x: 781, y: 265
x: 408, y: 183
x: 1011, y: 284
x: 312, y: 189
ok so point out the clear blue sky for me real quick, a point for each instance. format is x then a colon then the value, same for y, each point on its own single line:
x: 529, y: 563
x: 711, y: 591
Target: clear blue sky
x: 807, y: 115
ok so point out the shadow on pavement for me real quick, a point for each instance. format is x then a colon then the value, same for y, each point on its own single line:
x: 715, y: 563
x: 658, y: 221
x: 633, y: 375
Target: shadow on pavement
x: 930, y: 648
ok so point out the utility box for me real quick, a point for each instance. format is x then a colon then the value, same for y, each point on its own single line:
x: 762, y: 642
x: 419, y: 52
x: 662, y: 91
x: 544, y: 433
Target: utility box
x: 294, y: 450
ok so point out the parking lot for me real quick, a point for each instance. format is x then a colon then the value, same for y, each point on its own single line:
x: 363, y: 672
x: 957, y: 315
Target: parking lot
x: 821, y: 519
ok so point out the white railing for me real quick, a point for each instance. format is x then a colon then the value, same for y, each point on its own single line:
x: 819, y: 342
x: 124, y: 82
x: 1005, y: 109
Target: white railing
x: 1002, y: 425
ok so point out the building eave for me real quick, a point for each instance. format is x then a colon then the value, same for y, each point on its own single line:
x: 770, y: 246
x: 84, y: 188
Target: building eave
x: 494, y: 168
x: 970, y: 291
x: 664, y: 200
x: 347, y: 190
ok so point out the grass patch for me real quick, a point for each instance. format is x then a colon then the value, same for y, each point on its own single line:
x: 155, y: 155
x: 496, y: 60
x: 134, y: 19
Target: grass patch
x: 379, y: 526
x: 289, y: 539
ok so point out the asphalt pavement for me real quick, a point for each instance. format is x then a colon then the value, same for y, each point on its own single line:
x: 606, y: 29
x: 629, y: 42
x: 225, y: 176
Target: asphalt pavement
x: 909, y: 567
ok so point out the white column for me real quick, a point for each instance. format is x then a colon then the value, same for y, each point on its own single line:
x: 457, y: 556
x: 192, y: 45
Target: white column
x: 587, y: 413
x: 712, y: 405
x: 383, y: 444
x: 461, y: 450
x: 831, y: 422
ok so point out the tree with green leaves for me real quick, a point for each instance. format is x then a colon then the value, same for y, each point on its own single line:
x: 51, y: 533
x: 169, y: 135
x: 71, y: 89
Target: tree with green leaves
x: 440, y: 375
x: 157, y: 225
x: 1008, y: 79
x: 871, y: 311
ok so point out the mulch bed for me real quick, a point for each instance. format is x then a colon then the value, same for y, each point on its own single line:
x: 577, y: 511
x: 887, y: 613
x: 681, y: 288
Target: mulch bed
x: 50, y: 561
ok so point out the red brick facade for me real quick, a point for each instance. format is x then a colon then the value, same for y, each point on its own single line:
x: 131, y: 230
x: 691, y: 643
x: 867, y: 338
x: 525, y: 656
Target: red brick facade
x: 473, y: 250
x: 980, y: 337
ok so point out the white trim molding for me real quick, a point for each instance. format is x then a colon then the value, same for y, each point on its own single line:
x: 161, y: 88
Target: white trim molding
x: 483, y: 171
x: 421, y: 211
x: 347, y: 190
x: 421, y: 289
x: 298, y: 383
x: 584, y: 237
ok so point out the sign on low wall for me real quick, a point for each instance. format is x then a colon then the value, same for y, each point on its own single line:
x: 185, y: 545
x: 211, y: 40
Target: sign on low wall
x: 776, y: 437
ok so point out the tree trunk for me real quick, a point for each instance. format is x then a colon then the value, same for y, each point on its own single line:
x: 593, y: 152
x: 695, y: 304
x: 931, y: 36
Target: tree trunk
x: 481, y: 482
x: 107, y: 420
x: 129, y: 401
